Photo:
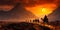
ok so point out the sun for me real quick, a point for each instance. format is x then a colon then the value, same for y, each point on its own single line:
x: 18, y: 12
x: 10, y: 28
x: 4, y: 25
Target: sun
x: 45, y: 11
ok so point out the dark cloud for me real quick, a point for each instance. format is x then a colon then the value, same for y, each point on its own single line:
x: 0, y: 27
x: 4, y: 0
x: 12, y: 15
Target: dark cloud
x: 55, y: 15
x: 7, y: 2
x: 18, y: 12
x: 27, y: 2
x: 34, y: 2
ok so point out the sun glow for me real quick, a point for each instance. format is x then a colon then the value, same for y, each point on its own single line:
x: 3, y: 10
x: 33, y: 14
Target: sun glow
x: 42, y: 10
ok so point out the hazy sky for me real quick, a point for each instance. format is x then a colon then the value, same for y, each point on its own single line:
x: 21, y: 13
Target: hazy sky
x: 20, y: 12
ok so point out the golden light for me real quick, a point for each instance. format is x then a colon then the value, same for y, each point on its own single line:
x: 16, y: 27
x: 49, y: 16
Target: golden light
x: 42, y: 10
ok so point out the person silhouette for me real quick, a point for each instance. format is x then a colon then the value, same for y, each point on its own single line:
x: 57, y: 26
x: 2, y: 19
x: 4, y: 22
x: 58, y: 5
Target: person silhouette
x: 45, y: 20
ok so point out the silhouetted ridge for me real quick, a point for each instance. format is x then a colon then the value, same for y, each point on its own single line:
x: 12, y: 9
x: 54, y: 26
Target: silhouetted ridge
x: 24, y: 26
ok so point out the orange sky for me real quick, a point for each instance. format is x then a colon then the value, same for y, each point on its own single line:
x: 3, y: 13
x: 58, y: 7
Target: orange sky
x: 41, y: 7
x: 42, y: 10
x: 38, y: 7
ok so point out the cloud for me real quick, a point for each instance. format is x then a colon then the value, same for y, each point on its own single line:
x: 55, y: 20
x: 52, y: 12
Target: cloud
x: 27, y: 2
x: 33, y: 2
x: 5, y: 2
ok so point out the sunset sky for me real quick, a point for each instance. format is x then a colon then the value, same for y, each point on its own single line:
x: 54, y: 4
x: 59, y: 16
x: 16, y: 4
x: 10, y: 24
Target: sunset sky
x: 30, y: 9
